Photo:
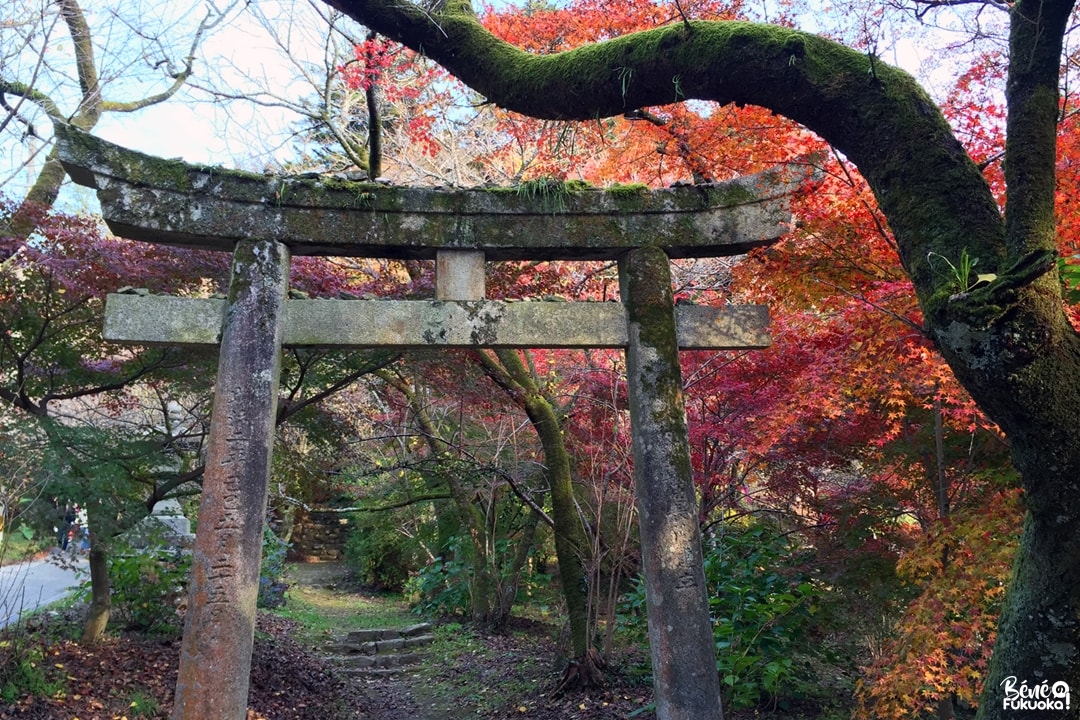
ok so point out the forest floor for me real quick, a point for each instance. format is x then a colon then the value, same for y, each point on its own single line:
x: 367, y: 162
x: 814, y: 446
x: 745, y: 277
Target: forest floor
x: 462, y: 674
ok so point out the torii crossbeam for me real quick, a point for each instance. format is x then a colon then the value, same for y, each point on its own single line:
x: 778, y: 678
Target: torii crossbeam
x: 264, y: 220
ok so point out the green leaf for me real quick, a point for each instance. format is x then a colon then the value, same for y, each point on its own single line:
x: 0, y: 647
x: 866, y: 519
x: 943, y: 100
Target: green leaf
x: 1069, y: 269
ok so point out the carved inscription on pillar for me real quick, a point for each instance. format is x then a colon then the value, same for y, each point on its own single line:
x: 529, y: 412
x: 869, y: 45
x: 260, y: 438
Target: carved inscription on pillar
x: 680, y: 632
x: 228, y: 525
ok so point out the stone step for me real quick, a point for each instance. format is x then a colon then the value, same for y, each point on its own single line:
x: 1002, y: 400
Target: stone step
x: 374, y: 673
x: 379, y: 651
x: 419, y: 640
x: 359, y: 662
x: 416, y: 630
x: 375, y: 634
x: 379, y: 647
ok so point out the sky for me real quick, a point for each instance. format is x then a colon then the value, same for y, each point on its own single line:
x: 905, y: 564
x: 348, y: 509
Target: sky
x: 188, y: 126
x: 243, y: 55
x: 203, y: 134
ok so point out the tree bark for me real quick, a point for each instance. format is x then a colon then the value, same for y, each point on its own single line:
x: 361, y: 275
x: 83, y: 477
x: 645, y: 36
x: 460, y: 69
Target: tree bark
x: 97, y: 617
x: 1009, y: 343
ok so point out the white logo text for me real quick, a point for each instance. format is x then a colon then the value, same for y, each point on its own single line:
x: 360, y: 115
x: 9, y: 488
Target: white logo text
x: 1043, y: 696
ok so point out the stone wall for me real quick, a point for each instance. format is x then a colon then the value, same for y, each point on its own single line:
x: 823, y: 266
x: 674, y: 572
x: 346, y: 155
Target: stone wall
x: 319, y: 536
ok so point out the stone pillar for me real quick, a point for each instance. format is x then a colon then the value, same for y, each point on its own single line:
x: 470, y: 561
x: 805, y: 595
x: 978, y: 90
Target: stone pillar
x: 215, y: 659
x: 685, y: 681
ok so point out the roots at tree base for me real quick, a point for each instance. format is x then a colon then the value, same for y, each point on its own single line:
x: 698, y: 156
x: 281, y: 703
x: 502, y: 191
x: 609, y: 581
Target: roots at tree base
x: 583, y: 673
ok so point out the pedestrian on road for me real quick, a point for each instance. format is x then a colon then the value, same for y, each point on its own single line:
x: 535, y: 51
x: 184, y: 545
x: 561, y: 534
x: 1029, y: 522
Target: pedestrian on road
x: 64, y: 535
x: 82, y: 530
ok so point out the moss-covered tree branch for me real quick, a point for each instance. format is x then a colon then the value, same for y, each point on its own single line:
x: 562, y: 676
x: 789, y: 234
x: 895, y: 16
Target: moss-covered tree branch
x: 46, y: 103
x: 876, y: 115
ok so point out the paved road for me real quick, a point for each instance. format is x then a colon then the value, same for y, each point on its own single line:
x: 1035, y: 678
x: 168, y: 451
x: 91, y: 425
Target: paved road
x: 29, y: 585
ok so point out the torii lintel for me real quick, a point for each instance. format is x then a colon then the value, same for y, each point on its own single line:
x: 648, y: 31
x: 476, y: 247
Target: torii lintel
x: 172, y: 202
x: 167, y: 320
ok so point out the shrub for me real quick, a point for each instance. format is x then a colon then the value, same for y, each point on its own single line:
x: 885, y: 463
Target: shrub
x: 271, y: 587
x: 441, y: 587
x: 380, y: 554
x: 761, y: 608
x: 21, y: 676
x: 148, y: 587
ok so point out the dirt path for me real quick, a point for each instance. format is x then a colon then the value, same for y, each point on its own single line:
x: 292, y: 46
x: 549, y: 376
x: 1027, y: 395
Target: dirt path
x: 397, y: 697
x: 464, y: 675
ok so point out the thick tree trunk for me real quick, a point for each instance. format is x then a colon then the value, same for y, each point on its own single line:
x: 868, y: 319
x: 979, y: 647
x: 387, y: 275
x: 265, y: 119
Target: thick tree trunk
x: 1034, y: 390
x: 41, y: 196
x: 447, y: 525
x: 480, y: 586
x: 1009, y: 342
x: 1038, y: 637
x: 97, y: 617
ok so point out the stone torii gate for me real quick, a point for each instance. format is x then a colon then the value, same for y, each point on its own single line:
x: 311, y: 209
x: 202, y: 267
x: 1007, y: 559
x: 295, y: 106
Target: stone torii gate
x: 264, y: 220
